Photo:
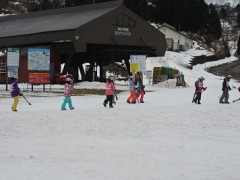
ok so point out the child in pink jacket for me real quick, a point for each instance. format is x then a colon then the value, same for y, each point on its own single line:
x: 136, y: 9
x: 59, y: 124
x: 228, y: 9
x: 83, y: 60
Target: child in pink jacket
x: 109, y: 93
x: 199, y: 88
x: 68, y: 90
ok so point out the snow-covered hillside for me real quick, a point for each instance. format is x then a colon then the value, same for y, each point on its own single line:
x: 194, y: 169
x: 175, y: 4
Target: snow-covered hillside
x: 167, y: 137
x: 233, y: 3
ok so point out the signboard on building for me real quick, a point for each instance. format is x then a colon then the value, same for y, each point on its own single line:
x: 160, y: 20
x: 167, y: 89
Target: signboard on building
x: 122, y: 31
x: 39, y: 78
x: 13, y: 57
x: 140, y: 60
x: 39, y: 59
x: 134, y: 67
x: 12, y: 71
x: 149, y: 74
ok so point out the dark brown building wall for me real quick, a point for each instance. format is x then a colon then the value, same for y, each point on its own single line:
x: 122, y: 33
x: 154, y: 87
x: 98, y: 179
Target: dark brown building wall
x: 55, y: 60
x: 23, y: 72
x: 2, y: 74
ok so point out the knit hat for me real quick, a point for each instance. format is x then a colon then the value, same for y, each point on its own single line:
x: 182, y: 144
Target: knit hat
x: 14, y: 77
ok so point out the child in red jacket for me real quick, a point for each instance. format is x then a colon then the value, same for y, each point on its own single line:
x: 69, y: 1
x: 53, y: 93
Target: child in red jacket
x: 109, y: 93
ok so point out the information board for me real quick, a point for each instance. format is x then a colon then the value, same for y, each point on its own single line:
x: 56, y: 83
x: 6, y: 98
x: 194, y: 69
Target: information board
x: 39, y: 59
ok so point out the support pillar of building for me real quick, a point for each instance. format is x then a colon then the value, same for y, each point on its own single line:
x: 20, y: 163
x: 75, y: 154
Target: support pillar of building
x: 102, y: 73
x: 82, y: 72
x: 127, y: 65
x: 67, y: 65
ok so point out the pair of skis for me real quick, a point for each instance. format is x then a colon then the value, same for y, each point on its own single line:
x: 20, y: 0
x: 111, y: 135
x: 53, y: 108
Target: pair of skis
x: 194, y: 95
x: 239, y: 91
x: 115, y: 95
x: 236, y: 100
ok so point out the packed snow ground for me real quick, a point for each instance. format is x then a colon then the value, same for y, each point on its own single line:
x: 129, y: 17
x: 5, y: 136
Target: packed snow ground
x: 166, y: 138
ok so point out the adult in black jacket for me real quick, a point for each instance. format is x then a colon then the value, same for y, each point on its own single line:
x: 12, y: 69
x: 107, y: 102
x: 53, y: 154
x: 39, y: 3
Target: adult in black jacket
x: 225, y: 88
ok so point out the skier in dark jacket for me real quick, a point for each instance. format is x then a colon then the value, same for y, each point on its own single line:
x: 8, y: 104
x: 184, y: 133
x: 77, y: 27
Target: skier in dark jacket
x: 225, y: 88
x: 15, y: 92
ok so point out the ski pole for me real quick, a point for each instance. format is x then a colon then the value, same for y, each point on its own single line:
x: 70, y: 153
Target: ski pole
x: 26, y: 99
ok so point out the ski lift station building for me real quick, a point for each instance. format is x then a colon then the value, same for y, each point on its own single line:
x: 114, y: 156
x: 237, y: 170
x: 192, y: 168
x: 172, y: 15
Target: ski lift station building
x: 97, y: 34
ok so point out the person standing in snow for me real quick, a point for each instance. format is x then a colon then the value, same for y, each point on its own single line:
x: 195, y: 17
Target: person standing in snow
x: 15, y: 92
x: 68, y: 90
x: 199, y: 88
x: 140, y: 91
x: 225, y: 88
x: 132, y: 96
x: 109, y: 93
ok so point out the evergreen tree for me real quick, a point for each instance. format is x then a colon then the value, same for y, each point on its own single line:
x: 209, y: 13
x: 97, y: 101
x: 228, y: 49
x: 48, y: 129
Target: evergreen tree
x: 223, y: 13
x: 158, y: 11
x: 3, y: 4
x: 214, y: 26
x: 57, y: 4
x: 137, y: 6
x: 196, y: 15
x: 238, y: 19
x: 185, y: 15
x: 238, y: 47
x: 45, y: 4
x: 31, y: 6
x: 237, y: 9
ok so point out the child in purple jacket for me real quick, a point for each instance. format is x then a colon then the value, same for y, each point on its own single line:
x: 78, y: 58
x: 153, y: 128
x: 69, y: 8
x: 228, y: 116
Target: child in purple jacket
x: 15, y: 92
x: 68, y: 90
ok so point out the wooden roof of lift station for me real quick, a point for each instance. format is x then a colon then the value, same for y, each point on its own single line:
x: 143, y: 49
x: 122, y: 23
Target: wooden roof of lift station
x: 96, y: 33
